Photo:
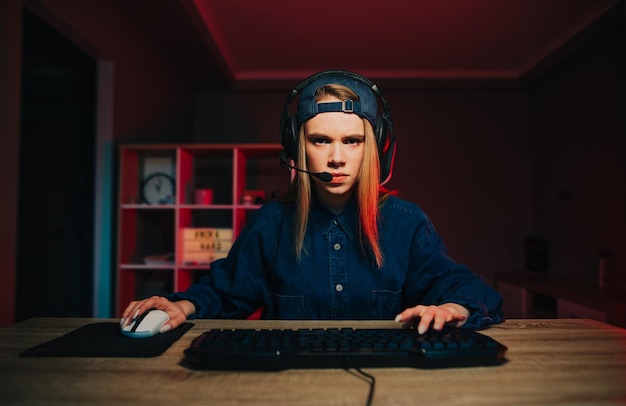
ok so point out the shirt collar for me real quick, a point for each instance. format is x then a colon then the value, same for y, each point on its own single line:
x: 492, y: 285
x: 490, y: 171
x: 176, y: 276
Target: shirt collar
x: 323, y: 219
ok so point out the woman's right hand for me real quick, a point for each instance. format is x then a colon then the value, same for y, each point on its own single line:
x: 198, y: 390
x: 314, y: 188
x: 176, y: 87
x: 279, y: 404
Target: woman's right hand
x: 178, y: 311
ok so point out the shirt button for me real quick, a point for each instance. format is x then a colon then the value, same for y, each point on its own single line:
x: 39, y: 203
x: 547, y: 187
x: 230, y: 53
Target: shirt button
x: 337, y: 246
x: 339, y: 287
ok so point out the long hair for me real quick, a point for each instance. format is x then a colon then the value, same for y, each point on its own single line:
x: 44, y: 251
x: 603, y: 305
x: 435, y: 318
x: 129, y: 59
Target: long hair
x: 367, y: 188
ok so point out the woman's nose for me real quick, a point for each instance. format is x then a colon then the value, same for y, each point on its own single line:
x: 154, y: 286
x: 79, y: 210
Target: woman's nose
x: 337, y: 157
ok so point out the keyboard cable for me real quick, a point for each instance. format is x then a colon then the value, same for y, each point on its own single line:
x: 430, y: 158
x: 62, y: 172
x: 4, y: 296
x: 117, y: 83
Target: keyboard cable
x: 370, y: 379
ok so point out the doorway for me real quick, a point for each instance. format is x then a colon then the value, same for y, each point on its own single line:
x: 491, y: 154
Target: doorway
x: 56, y: 175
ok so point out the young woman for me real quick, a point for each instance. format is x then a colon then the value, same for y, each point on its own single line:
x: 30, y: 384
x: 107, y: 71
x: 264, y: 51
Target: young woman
x: 337, y: 245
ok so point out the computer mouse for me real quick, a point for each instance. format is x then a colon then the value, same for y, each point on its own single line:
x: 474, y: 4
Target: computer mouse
x: 146, y: 324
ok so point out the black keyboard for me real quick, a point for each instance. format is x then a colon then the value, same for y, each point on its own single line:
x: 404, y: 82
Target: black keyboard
x: 278, y: 349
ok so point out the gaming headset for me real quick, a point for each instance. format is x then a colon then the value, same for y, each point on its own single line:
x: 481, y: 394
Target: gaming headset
x: 369, y: 95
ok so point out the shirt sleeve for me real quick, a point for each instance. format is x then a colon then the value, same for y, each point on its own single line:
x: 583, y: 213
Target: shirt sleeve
x: 223, y: 293
x: 435, y: 278
x: 235, y: 286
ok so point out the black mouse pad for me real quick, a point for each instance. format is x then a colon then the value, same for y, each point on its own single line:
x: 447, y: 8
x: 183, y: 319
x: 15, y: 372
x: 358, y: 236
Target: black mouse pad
x: 106, y: 340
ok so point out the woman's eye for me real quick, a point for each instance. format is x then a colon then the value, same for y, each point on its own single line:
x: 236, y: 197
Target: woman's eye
x: 320, y: 141
x: 353, y: 141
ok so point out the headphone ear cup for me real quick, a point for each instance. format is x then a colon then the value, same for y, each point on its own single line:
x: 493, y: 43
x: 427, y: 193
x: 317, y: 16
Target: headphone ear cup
x: 386, y: 147
x: 289, y: 136
x: 380, y: 133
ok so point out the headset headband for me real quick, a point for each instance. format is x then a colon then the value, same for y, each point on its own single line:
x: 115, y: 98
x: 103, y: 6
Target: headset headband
x: 366, y: 107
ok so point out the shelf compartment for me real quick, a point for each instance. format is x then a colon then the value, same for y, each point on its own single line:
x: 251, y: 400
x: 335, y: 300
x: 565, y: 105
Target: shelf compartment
x: 136, y: 163
x: 145, y: 232
x: 206, y: 169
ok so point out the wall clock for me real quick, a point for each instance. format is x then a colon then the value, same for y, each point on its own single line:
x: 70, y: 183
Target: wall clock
x: 158, y: 188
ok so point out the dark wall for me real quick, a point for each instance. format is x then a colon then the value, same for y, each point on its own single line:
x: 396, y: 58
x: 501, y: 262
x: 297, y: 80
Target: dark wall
x: 464, y: 156
x: 578, y: 119
x: 492, y: 168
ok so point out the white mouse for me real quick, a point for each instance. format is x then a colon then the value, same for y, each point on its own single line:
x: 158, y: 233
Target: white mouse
x: 146, y: 325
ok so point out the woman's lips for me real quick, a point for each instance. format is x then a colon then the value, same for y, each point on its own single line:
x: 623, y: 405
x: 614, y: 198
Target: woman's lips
x: 339, y: 177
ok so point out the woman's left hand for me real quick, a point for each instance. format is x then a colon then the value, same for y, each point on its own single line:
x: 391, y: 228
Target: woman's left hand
x: 447, y: 313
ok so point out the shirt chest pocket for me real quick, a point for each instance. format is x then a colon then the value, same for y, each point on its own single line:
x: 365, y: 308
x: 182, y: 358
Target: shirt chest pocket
x: 290, y: 307
x: 386, y: 304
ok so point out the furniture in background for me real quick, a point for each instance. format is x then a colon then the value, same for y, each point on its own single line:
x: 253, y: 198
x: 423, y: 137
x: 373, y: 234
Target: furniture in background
x: 531, y: 295
x: 558, y: 361
x: 176, y: 200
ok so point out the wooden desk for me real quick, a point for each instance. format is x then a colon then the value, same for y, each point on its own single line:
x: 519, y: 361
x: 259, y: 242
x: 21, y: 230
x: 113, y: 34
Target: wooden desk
x: 549, y: 362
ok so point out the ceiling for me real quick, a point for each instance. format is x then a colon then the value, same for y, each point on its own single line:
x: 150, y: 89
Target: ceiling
x: 272, y: 44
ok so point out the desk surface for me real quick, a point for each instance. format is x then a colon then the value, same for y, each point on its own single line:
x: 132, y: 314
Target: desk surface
x: 549, y: 362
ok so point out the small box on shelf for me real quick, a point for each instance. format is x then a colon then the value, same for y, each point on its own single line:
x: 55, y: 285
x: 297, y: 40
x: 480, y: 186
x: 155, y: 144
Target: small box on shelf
x: 207, y: 233
x: 201, y: 246
x: 202, y: 257
x: 207, y: 245
x: 251, y: 197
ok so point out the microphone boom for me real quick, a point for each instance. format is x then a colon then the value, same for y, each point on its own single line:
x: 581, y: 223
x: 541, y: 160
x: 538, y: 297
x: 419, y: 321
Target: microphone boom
x: 323, y: 176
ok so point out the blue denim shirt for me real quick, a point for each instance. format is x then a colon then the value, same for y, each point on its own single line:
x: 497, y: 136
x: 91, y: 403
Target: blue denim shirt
x: 335, y: 280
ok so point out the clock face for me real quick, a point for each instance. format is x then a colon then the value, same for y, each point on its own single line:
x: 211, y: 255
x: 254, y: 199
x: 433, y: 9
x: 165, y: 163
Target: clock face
x: 158, y: 188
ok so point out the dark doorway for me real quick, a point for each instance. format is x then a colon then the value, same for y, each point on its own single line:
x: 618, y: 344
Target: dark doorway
x: 56, y: 181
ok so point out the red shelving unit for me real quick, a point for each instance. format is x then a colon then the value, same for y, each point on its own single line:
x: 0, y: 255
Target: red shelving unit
x: 156, y: 229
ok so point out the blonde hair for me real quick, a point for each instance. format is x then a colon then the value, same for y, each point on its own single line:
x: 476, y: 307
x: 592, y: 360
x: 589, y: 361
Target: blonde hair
x: 367, y: 188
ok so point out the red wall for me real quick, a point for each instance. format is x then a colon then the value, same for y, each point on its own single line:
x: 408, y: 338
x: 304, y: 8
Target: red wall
x: 10, y: 50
